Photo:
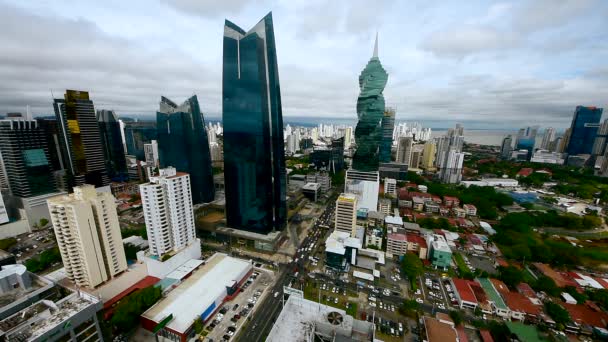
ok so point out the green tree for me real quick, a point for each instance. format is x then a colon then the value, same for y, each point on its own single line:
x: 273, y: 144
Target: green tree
x: 510, y: 275
x: 547, y: 285
x: 131, y: 251
x: 127, y: 312
x: 198, y: 325
x: 412, y: 267
x: 600, y: 297
x: 456, y: 317
x: 558, y: 313
x: 43, y: 222
x: 409, y: 308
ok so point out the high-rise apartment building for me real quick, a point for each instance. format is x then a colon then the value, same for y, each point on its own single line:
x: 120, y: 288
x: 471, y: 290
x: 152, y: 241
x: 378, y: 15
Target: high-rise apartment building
x: 80, y: 140
x: 583, y: 130
x: 151, y: 154
x: 548, y: 138
x: 390, y: 186
x: 601, y: 140
x: 449, y: 155
x: 254, y: 153
x: 370, y: 110
x: 416, y: 156
x: 404, y: 150
x: 388, y: 125
x: 506, y: 147
x: 167, y: 205
x: 183, y: 144
x: 111, y: 142
x: 348, y: 137
x: 346, y: 214
x: 88, y: 235
x: 428, y: 155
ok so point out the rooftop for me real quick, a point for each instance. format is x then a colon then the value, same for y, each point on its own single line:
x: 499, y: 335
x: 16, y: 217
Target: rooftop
x: 437, y: 331
x: 338, y: 241
x: 301, y: 319
x: 492, y: 294
x: 396, y: 220
x: 464, y: 290
x: 397, y: 237
x: 312, y: 186
x: 196, y: 293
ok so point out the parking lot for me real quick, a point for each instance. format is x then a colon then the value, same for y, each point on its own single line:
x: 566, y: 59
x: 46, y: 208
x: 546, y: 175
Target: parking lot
x: 32, y: 244
x: 433, y: 290
x: 233, y: 314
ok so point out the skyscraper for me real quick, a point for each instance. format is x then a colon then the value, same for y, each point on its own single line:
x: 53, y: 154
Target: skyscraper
x: 370, y: 109
x: 404, y: 150
x: 254, y: 157
x: 111, y: 142
x: 151, y: 154
x: 526, y: 139
x: 168, y: 211
x: 388, y: 125
x: 183, y: 144
x: 428, y: 155
x: 601, y: 139
x: 548, y: 138
x: 346, y: 214
x: 507, y: 147
x: 25, y: 158
x: 88, y: 235
x: 80, y: 140
x: 137, y: 134
x: 583, y: 129
x: 449, y: 157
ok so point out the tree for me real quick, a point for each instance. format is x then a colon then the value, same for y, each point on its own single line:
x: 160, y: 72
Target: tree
x: 558, y: 313
x: 547, y: 285
x: 198, y: 325
x: 510, y: 275
x: 412, y: 267
x: 127, y: 312
x: 43, y: 222
x: 131, y: 251
x: 409, y: 308
x: 456, y: 317
x: 600, y: 297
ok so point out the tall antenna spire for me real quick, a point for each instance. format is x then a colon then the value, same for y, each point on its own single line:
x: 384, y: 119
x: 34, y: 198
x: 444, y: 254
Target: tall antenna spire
x: 376, y: 47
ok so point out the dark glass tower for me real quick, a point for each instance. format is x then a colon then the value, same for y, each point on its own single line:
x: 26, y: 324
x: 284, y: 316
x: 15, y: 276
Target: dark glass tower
x: 25, y: 156
x: 137, y: 134
x: 111, y: 142
x: 583, y: 130
x: 80, y: 140
x: 183, y: 144
x: 370, y: 109
x: 254, y: 156
x: 388, y: 125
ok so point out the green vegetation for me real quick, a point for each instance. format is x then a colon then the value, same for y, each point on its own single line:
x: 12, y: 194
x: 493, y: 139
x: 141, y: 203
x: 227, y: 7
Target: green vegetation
x: 412, y: 267
x: 600, y: 297
x: 46, y: 259
x: 518, y: 240
x: 217, y: 170
x: 409, y: 308
x: 131, y: 251
x: 7, y: 243
x: 465, y: 271
x: 456, y: 317
x: 547, y: 285
x: 510, y: 275
x: 352, y: 309
x: 43, y: 222
x: 166, y: 257
x: 337, y: 179
x: 198, y: 325
x: 558, y: 313
x: 134, y: 230
x: 485, y: 198
x: 580, y: 297
x: 436, y: 223
x: 126, y: 315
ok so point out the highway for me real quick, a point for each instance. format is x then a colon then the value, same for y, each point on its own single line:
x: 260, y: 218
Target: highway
x: 267, y: 312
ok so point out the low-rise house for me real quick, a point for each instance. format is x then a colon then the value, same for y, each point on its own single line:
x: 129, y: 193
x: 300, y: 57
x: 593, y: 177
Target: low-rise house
x: 431, y: 207
x: 459, y: 212
x: 450, y: 201
x: 396, y: 244
x: 522, y: 308
x: 470, y: 209
x: 417, y: 244
x: 418, y: 203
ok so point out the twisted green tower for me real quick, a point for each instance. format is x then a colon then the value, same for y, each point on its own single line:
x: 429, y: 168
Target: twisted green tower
x: 370, y: 109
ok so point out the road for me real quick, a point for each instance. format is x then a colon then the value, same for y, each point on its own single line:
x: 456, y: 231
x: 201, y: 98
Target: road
x: 267, y: 312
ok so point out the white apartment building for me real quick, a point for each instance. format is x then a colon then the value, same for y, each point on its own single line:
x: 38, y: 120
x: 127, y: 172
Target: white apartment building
x: 346, y: 214
x: 384, y: 206
x: 364, y: 185
x: 167, y: 204
x: 390, y: 186
x: 151, y: 154
x: 88, y: 235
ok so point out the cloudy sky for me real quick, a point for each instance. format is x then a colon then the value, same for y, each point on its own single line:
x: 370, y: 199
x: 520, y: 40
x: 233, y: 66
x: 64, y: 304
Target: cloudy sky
x: 494, y: 63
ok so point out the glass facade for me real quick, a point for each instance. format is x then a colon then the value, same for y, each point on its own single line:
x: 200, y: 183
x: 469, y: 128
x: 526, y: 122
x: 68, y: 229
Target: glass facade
x: 111, y: 142
x: 137, y: 134
x: 183, y: 144
x: 25, y: 157
x: 370, y: 111
x: 254, y: 156
x: 79, y: 138
x: 388, y: 125
x: 583, y: 130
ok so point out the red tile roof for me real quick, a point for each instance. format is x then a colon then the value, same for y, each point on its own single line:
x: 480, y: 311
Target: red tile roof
x: 499, y: 285
x: 396, y: 236
x: 520, y: 303
x: 464, y: 290
x: 557, y: 277
x: 525, y: 172
x: 486, y: 336
x: 416, y: 239
x: 584, y: 314
x: 526, y: 290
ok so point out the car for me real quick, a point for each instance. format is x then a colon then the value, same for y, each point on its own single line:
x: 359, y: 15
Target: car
x: 336, y: 301
x: 236, y: 306
x: 276, y: 294
x: 419, y: 300
x: 226, y: 337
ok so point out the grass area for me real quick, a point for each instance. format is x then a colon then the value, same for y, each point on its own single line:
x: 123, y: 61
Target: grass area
x: 352, y: 310
x: 462, y: 266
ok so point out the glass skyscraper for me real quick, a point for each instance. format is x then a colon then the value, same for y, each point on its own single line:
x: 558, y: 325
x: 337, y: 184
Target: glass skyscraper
x: 138, y: 133
x: 183, y: 144
x: 388, y: 126
x: 111, y: 142
x: 79, y: 138
x: 370, y: 110
x: 254, y: 155
x: 583, y: 130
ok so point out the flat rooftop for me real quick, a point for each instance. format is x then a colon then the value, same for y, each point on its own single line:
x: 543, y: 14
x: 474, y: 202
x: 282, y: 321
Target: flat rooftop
x: 300, y: 319
x: 196, y: 293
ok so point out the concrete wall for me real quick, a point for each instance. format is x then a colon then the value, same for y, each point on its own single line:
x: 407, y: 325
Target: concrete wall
x: 15, y: 228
